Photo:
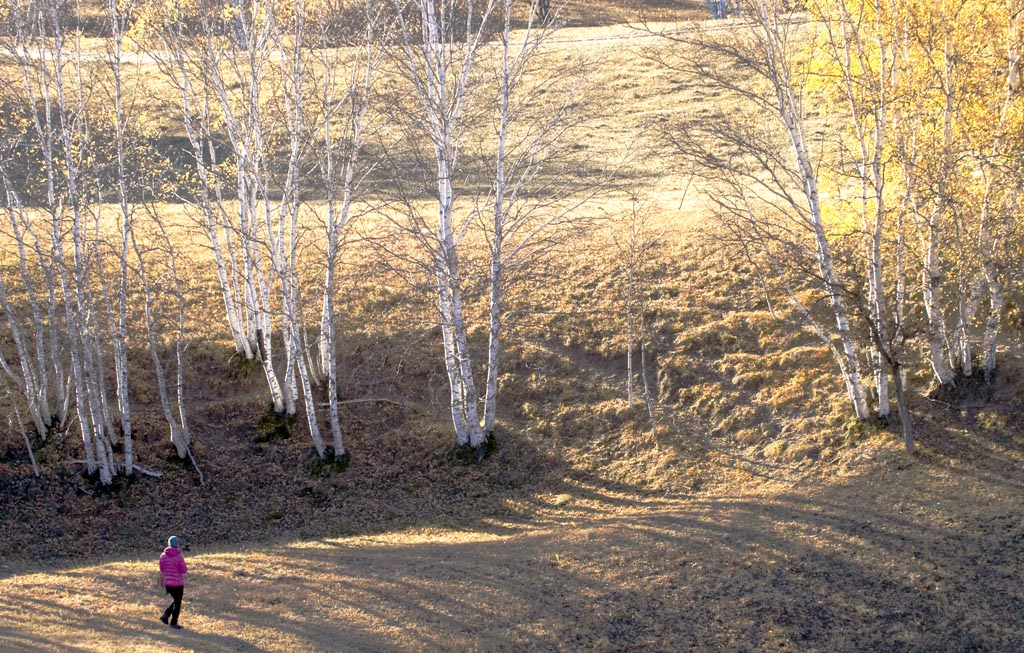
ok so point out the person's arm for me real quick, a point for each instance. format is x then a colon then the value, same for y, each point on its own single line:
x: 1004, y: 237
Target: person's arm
x: 183, y: 567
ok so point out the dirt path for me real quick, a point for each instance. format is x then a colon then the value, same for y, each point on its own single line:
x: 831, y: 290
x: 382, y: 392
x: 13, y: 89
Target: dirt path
x: 922, y: 558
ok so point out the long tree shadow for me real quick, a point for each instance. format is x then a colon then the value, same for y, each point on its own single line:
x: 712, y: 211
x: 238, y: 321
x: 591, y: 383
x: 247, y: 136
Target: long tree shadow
x: 845, y: 567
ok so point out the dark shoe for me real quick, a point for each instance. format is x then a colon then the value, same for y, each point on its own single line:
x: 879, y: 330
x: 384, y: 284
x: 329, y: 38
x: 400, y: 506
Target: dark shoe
x: 163, y: 618
x: 176, y: 626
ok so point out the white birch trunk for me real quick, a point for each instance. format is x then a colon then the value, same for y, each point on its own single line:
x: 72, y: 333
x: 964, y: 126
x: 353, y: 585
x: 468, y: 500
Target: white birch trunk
x: 177, y: 438
x: 228, y: 289
x: 825, y: 264
x: 26, y: 382
x: 196, y: 119
x: 477, y: 437
x: 307, y: 394
x: 326, y: 341
x: 37, y: 376
x: 495, y: 282
x: 38, y: 93
x: 294, y: 98
x: 941, y: 355
x: 120, y: 329
x: 243, y: 127
x: 791, y: 114
x: 879, y: 305
x: 457, y: 356
x: 183, y: 438
x: 965, y: 314
x: 32, y: 382
x: 357, y: 98
x: 118, y: 319
x: 96, y: 377
x: 179, y: 352
x: 493, y: 349
x: 28, y: 442
x: 994, y: 284
x: 328, y: 346
x: 87, y: 395
x: 997, y: 300
x: 451, y: 363
x: 873, y: 160
x: 513, y: 66
x: 291, y: 387
x: 931, y: 288
x: 325, y: 358
x: 441, y: 86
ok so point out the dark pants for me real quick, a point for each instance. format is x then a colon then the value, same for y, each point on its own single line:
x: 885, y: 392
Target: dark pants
x: 174, y: 609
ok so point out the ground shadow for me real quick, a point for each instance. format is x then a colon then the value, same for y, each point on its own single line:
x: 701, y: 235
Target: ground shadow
x: 840, y: 567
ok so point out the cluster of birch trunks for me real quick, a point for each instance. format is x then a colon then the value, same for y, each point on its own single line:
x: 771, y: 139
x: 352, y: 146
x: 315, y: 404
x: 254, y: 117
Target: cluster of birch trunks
x: 886, y: 182
x: 880, y: 197
x: 272, y: 104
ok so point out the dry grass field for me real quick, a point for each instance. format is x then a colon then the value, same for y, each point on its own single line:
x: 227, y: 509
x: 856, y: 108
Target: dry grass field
x: 756, y: 517
x: 908, y: 557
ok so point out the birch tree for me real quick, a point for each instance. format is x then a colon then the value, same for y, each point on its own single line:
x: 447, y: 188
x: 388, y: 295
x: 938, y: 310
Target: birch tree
x: 772, y: 32
x: 960, y: 63
x: 528, y: 213
x: 989, y: 115
x: 636, y: 244
x: 217, y: 61
x: 26, y: 381
x: 996, y: 233
x: 56, y: 92
x: 119, y: 16
x: 45, y: 393
x: 858, y: 63
x: 33, y: 380
x: 438, y: 62
x: 927, y: 156
x: 864, y: 61
x: 915, y: 140
x: 767, y: 176
x: 167, y: 33
x: 282, y: 82
x: 339, y: 122
x: 14, y: 420
x: 493, y: 118
x: 316, y: 113
x: 284, y: 236
x: 16, y: 163
x: 224, y: 70
x: 63, y: 165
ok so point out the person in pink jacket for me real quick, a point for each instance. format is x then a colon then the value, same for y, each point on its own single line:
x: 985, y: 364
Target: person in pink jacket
x: 173, y: 570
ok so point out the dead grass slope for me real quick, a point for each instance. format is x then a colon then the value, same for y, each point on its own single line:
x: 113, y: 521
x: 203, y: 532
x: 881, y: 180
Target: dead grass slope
x: 753, y: 517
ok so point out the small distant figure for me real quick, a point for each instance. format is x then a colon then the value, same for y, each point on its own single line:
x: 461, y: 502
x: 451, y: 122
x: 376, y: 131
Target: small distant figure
x: 718, y: 8
x: 173, y: 570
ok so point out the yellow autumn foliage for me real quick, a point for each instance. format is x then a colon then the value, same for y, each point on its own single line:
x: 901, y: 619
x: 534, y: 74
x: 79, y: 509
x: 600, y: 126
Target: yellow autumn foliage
x: 913, y: 88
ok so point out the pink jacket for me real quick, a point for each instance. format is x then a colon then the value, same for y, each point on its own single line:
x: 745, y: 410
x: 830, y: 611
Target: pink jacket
x: 173, y: 568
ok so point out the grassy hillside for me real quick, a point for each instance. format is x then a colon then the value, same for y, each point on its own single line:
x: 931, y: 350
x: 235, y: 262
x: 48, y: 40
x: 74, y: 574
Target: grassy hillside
x: 740, y: 391
x: 754, y: 514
